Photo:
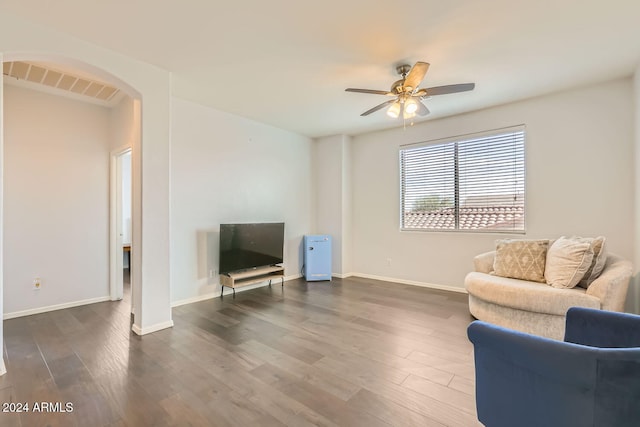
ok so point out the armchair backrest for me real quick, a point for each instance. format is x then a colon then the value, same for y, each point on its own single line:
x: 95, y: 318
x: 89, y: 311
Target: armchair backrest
x: 529, y: 381
x: 603, y: 329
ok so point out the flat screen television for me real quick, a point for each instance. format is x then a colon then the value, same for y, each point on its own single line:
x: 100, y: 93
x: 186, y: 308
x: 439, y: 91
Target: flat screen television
x: 246, y: 246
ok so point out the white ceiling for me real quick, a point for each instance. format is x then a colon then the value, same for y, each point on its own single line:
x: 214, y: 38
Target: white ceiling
x: 287, y: 63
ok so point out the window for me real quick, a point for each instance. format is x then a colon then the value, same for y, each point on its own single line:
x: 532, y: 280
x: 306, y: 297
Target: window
x: 469, y: 183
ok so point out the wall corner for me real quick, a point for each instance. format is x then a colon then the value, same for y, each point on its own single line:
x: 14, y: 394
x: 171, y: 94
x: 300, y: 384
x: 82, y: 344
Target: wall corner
x: 633, y: 297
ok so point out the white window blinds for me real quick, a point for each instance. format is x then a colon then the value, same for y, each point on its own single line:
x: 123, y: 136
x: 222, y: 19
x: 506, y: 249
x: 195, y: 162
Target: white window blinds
x: 470, y: 183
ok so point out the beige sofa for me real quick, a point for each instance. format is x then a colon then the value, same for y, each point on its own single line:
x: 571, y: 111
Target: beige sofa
x: 537, y: 308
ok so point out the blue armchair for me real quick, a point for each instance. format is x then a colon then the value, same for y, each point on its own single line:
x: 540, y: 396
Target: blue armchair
x: 592, y: 378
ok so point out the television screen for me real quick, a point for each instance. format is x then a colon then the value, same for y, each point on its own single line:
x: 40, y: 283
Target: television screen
x: 245, y: 246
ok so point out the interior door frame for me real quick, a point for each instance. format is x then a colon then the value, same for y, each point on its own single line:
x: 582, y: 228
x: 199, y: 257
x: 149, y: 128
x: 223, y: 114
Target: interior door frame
x: 116, y: 262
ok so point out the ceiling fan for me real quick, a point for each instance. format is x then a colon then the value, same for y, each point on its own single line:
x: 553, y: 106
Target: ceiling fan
x: 407, y: 97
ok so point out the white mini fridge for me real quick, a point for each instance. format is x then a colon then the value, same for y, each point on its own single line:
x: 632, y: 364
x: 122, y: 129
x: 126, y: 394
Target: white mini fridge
x: 317, y: 257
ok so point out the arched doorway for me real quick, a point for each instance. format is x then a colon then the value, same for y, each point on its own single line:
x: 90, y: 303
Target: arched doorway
x: 151, y: 86
x: 53, y: 71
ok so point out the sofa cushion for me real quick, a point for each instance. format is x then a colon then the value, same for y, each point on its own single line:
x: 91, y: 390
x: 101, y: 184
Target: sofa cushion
x: 598, y: 245
x: 521, y: 259
x: 527, y: 295
x: 568, y: 259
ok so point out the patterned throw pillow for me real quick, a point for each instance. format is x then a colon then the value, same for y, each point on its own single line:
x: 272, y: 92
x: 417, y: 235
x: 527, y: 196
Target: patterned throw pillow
x: 568, y: 259
x: 521, y: 259
x: 597, y: 264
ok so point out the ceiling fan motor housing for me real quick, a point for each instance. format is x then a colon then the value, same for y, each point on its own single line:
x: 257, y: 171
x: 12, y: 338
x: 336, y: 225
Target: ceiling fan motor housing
x: 403, y: 70
x: 397, y: 86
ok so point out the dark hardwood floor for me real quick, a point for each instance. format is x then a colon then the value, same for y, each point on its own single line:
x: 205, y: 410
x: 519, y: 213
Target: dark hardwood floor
x: 351, y: 352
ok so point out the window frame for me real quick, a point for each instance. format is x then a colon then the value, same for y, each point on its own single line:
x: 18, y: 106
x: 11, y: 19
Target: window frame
x: 458, y: 139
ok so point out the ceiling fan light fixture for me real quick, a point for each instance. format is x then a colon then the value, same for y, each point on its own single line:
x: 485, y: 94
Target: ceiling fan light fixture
x: 407, y: 115
x: 410, y: 106
x: 394, y: 110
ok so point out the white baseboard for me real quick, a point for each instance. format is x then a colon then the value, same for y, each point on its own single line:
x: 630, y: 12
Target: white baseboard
x: 199, y: 298
x: 153, y: 328
x: 412, y: 282
x: 342, y: 276
x: 46, y: 309
x: 228, y: 291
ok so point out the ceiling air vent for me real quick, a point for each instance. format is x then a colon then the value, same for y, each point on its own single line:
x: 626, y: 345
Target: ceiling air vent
x: 43, y: 74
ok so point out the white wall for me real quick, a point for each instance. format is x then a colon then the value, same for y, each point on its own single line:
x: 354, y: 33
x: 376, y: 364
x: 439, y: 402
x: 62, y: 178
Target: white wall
x: 328, y: 193
x: 580, y: 172
x: 123, y: 127
x: 347, y: 209
x: 124, y: 130
x: 333, y: 197
x: 126, y: 199
x: 56, y: 182
x: 633, y: 300
x: 3, y: 369
x: 227, y: 169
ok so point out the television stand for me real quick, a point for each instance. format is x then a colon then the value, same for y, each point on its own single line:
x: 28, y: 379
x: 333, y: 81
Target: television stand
x: 237, y: 279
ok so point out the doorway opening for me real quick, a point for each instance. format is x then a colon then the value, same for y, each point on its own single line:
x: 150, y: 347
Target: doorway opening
x: 121, y: 226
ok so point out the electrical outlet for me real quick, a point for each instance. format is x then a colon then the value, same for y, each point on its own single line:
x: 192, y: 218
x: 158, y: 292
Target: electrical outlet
x: 37, y: 284
x: 388, y: 262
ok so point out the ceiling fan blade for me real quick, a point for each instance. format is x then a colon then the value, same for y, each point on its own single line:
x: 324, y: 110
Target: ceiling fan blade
x: 415, y: 76
x: 443, y: 90
x: 373, y: 91
x: 379, y: 107
x: 422, y: 109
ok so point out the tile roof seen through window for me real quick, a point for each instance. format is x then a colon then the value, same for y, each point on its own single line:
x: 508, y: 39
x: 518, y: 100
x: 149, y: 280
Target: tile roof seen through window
x: 471, y: 218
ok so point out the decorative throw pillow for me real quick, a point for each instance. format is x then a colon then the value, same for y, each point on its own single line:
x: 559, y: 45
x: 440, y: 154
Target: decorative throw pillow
x: 521, y: 259
x: 567, y: 262
x: 597, y: 264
